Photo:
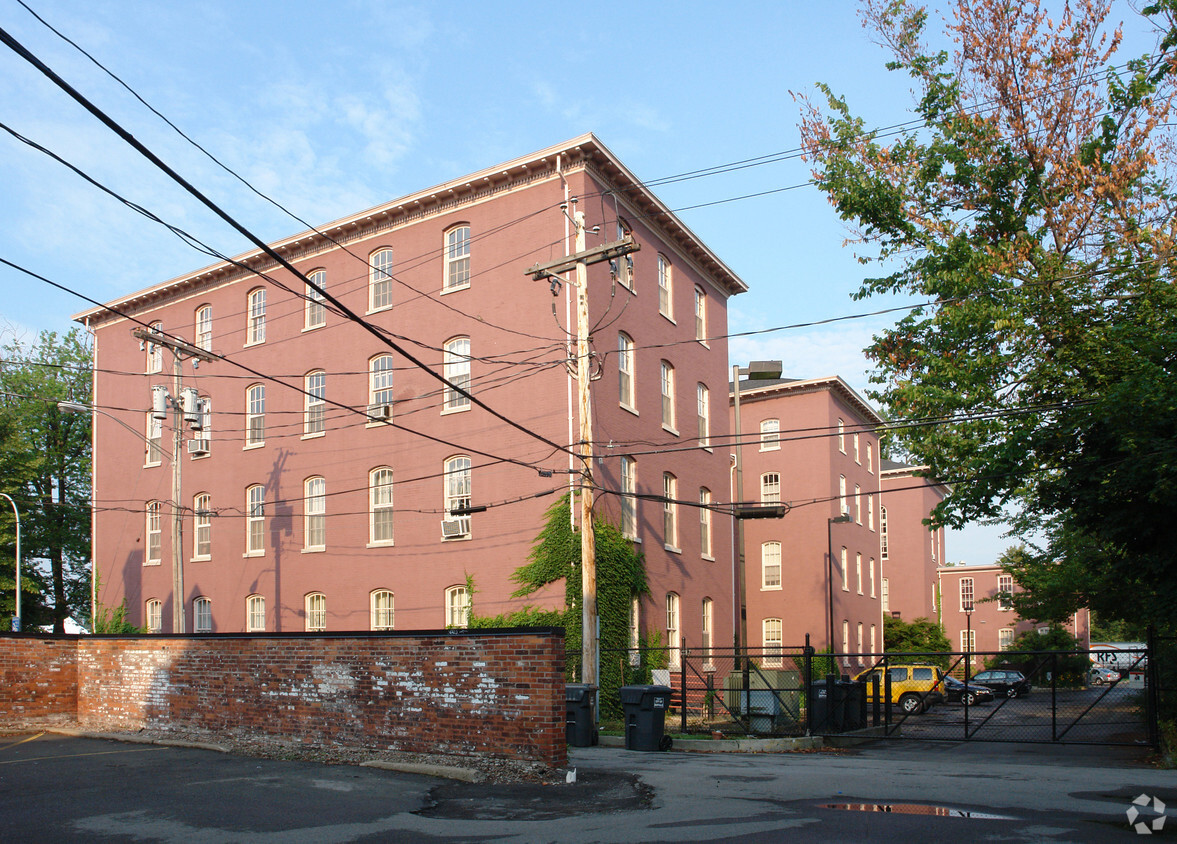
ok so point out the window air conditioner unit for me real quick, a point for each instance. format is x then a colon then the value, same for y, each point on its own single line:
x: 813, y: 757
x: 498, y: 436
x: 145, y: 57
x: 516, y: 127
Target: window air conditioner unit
x: 455, y: 528
x: 198, y: 447
x: 379, y: 412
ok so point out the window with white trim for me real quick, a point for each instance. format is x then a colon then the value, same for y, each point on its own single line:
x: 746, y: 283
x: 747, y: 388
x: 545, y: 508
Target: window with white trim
x: 668, y: 396
x: 314, y: 419
x: 154, y: 615
x: 705, y: 522
x: 1005, y: 638
x: 457, y: 472
x: 870, y: 511
x: 204, y: 327
x: 857, y: 452
x: 857, y: 504
x: 858, y: 571
x: 703, y: 396
x: 841, y: 436
x: 770, y: 488
x: 629, y: 488
x: 625, y: 379
x: 968, y: 642
x: 772, y: 642
x: 635, y: 630
x: 154, y: 441
x: 770, y: 565
x: 670, y: 510
x: 255, y: 415
x: 874, y: 644
x: 380, y: 506
x: 202, y: 527
x: 700, y: 315
x: 255, y: 614
x: 1005, y: 591
x: 883, y: 550
x: 770, y: 435
x: 255, y: 308
x: 845, y: 571
x: 380, y: 392
x: 624, y: 271
x: 154, y: 533
x: 457, y: 607
x: 870, y: 458
x: 380, y: 280
x: 456, y: 371
x: 202, y: 612
x: 314, y: 514
x: 315, y: 309
x: 872, y: 577
x: 705, y: 628
x: 845, y: 638
x: 665, y: 288
x: 155, y: 350
x: 673, y: 642
x: 383, y: 609
x: 255, y: 520
x: 843, y: 506
x: 885, y: 596
x: 457, y: 258
x: 316, y: 612
x: 966, y: 594
x: 859, y: 640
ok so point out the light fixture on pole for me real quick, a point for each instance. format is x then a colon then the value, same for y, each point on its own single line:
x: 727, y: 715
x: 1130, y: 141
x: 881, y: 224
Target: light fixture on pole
x: 15, y: 512
x: 757, y: 370
x: 836, y: 520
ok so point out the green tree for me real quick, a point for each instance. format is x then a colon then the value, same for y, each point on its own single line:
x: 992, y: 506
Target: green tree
x: 1038, y: 655
x: 917, y: 636
x: 1030, y: 209
x: 45, y: 467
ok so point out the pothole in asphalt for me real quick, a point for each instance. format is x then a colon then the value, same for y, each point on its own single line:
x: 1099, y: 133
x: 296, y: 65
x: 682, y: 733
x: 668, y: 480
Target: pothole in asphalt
x: 918, y: 809
x: 592, y: 793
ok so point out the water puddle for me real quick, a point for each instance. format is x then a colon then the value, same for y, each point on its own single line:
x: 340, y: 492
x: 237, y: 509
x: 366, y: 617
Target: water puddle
x: 918, y: 809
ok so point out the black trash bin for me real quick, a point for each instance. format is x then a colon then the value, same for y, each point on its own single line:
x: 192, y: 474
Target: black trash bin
x: 645, y: 717
x: 853, y: 697
x: 827, y: 699
x: 580, y: 726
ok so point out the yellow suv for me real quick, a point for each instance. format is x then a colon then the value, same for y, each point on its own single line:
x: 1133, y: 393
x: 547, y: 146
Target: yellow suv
x: 914, y: 688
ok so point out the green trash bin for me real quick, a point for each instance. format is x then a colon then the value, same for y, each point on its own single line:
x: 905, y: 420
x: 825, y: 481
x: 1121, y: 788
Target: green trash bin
x: 579, y: 726
x: 645, y: 708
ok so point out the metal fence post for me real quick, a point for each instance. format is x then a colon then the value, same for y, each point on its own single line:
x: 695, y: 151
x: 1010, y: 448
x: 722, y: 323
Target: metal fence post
x: 1054, y: 696
x: 682, y: 668
x: 807, y: 679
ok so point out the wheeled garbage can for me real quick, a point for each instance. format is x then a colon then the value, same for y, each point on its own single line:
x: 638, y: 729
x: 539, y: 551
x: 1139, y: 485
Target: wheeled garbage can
x: 645, y: 708
x: 580, y: 726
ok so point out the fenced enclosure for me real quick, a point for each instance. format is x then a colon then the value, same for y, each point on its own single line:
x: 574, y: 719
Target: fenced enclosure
x: 794, y: 691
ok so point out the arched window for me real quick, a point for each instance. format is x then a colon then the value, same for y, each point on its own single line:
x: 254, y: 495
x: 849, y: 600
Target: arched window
x: 383, y: 609
x: 202, y: 534
x: 771, y: 640
x: 770, y: 435
x: 155, y: 350
x: 668, y: 396
x: 204, y: 327
x: 316, y: 311
x: 700, y: 315
x: 203, y: 612
x: 380, y: 280
x: 457, y: 497
x: 665, y: 288
x: 841, y: 436
x: 255, y: 520
x: 629, y: 488
x: 154, y: 532
x: 672, y: 629
x: 380, y: 506
x: 705, y: 522
x: 255, y: 614
x: 670, y: 510
x: 154, y: 615
x: 457, y: 258
x: 316, y: 611
x: 457, y: 606
x: 770, y: 488
x: 456, y: 371
x: 703, y: 400
x: 256, y: 316
x: 315, y: 414
x: 315, y: 514
x: 770, y: 565
x: 625, y: 370
x: 255, y: 415
x: 705, y: 628
x: 380, y: 388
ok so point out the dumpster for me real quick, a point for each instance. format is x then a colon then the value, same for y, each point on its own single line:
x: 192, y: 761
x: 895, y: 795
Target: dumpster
x: 645, y: 717
x: 580, y: 726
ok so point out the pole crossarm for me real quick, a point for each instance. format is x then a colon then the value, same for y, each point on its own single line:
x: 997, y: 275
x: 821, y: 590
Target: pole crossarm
x: 178, y: 346
x: 604, y: 252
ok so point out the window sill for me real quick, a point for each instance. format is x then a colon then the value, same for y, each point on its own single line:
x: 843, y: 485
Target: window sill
x: 313, y: 436
x: 379, y: 310
x: 629, y: 408
x: 313, y: 327
x: 153, y: 562
x: 670, y: 430
x: 251, y: 446
x: 202, y: 559
x: 770, y: 448
x: 672, y: 549
x: 668, y: 318
x: 465, y: 538
x: 702, y: 343
x: 447, y: 411
x: 636, y: 539
x: 151, y: 465
x: 455, y: 289
x: 708, y: 558
x: 771, y: 588
x: 313, y: 550
x: 252, y: 343
x: 204, y: 456
x: 254, y: 554
x: 385, y: 544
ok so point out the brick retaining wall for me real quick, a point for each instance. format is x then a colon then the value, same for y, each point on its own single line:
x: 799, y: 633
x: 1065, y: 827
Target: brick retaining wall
x: 497, y: 693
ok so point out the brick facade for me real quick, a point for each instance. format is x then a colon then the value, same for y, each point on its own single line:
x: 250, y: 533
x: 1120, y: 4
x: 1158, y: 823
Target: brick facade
x: 497, y: 693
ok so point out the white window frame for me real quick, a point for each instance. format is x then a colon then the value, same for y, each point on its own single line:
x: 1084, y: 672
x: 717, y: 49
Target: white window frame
x: 255, y: 415
x: 870, y: 511
x: 202, y: 615
x: 381, y: 512
x: 843, y: 504
x: 870, y: 458
x: 845, y: 570
x: 857, y: 451
x: 770, y: 435
x: 314, y: 514
x: 967, y: 593
x: 457, y: 258
x: 383, y: 609
x: 154, y: 455
x: 705, y: 535
x: 770, y: 566
x: 772, y: 642
x: 203, y: 329
x: 670, y: 511
x: 154, y: 350
x: 316, y: 612
x: 1005, y: 638
x: 456, y: 371
x: 255, y: 310
x: 857, y: 504
x: 841, y: 436
x: 625, y: 372
x: 673, y: 640
x: 314, y: 416
x: 874, y: 642
x: 665, y: 288
x: 202, y: 526
x: 380, y: 382
x: 255, y: 614
x: 858, y: 570
x: 629, y: 488
x: 884, y: 550
x: 872, y: 579
x: 457, y: 606
x: 255, y: 520
x: 153, y: 615
x: 700, y: 315
x: 885, y: 596
x: 315, y: 309
x: 380, y: 279
x: 703, y: 402
x: 1005, y: 591
x: 458, y: 481
x: 770, y: 488
x: 706, y: 622
x: 668, y: 398
x: 154, y: 531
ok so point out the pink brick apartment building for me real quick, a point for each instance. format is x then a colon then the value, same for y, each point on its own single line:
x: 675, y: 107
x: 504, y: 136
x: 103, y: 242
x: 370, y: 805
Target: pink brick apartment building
x: 319, y: 492
x: 911, y: 551
x: 811, y: 443
x: 994, y: 625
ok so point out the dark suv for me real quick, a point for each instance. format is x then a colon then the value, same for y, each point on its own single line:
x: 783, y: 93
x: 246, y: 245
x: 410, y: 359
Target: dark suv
x: 1003, y: 681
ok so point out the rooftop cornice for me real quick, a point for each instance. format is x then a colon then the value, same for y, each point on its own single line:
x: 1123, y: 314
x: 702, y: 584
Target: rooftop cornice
x: 584, y: 151
x: 833, y: 383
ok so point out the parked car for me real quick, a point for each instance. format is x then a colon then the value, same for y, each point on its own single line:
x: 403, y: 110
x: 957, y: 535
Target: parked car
x: 1100, y: 674
x: 914, y: 688
x: 954, y: 692
x: 1003, y: 681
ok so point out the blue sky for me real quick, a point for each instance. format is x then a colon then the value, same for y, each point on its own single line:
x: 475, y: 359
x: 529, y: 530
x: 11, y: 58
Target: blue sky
x: 332, y: 108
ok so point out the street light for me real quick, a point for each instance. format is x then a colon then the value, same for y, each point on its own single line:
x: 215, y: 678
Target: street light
x: 840, y: 519
x: 15, y: 512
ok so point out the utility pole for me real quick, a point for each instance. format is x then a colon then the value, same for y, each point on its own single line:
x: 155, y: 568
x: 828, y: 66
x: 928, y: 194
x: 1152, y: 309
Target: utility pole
x: 181, y: 351
x: 588, y: 546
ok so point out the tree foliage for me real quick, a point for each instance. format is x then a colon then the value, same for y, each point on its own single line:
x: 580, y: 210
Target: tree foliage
x: 1030, y: 209
x: 45, y: 467
x: 919, y: 636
